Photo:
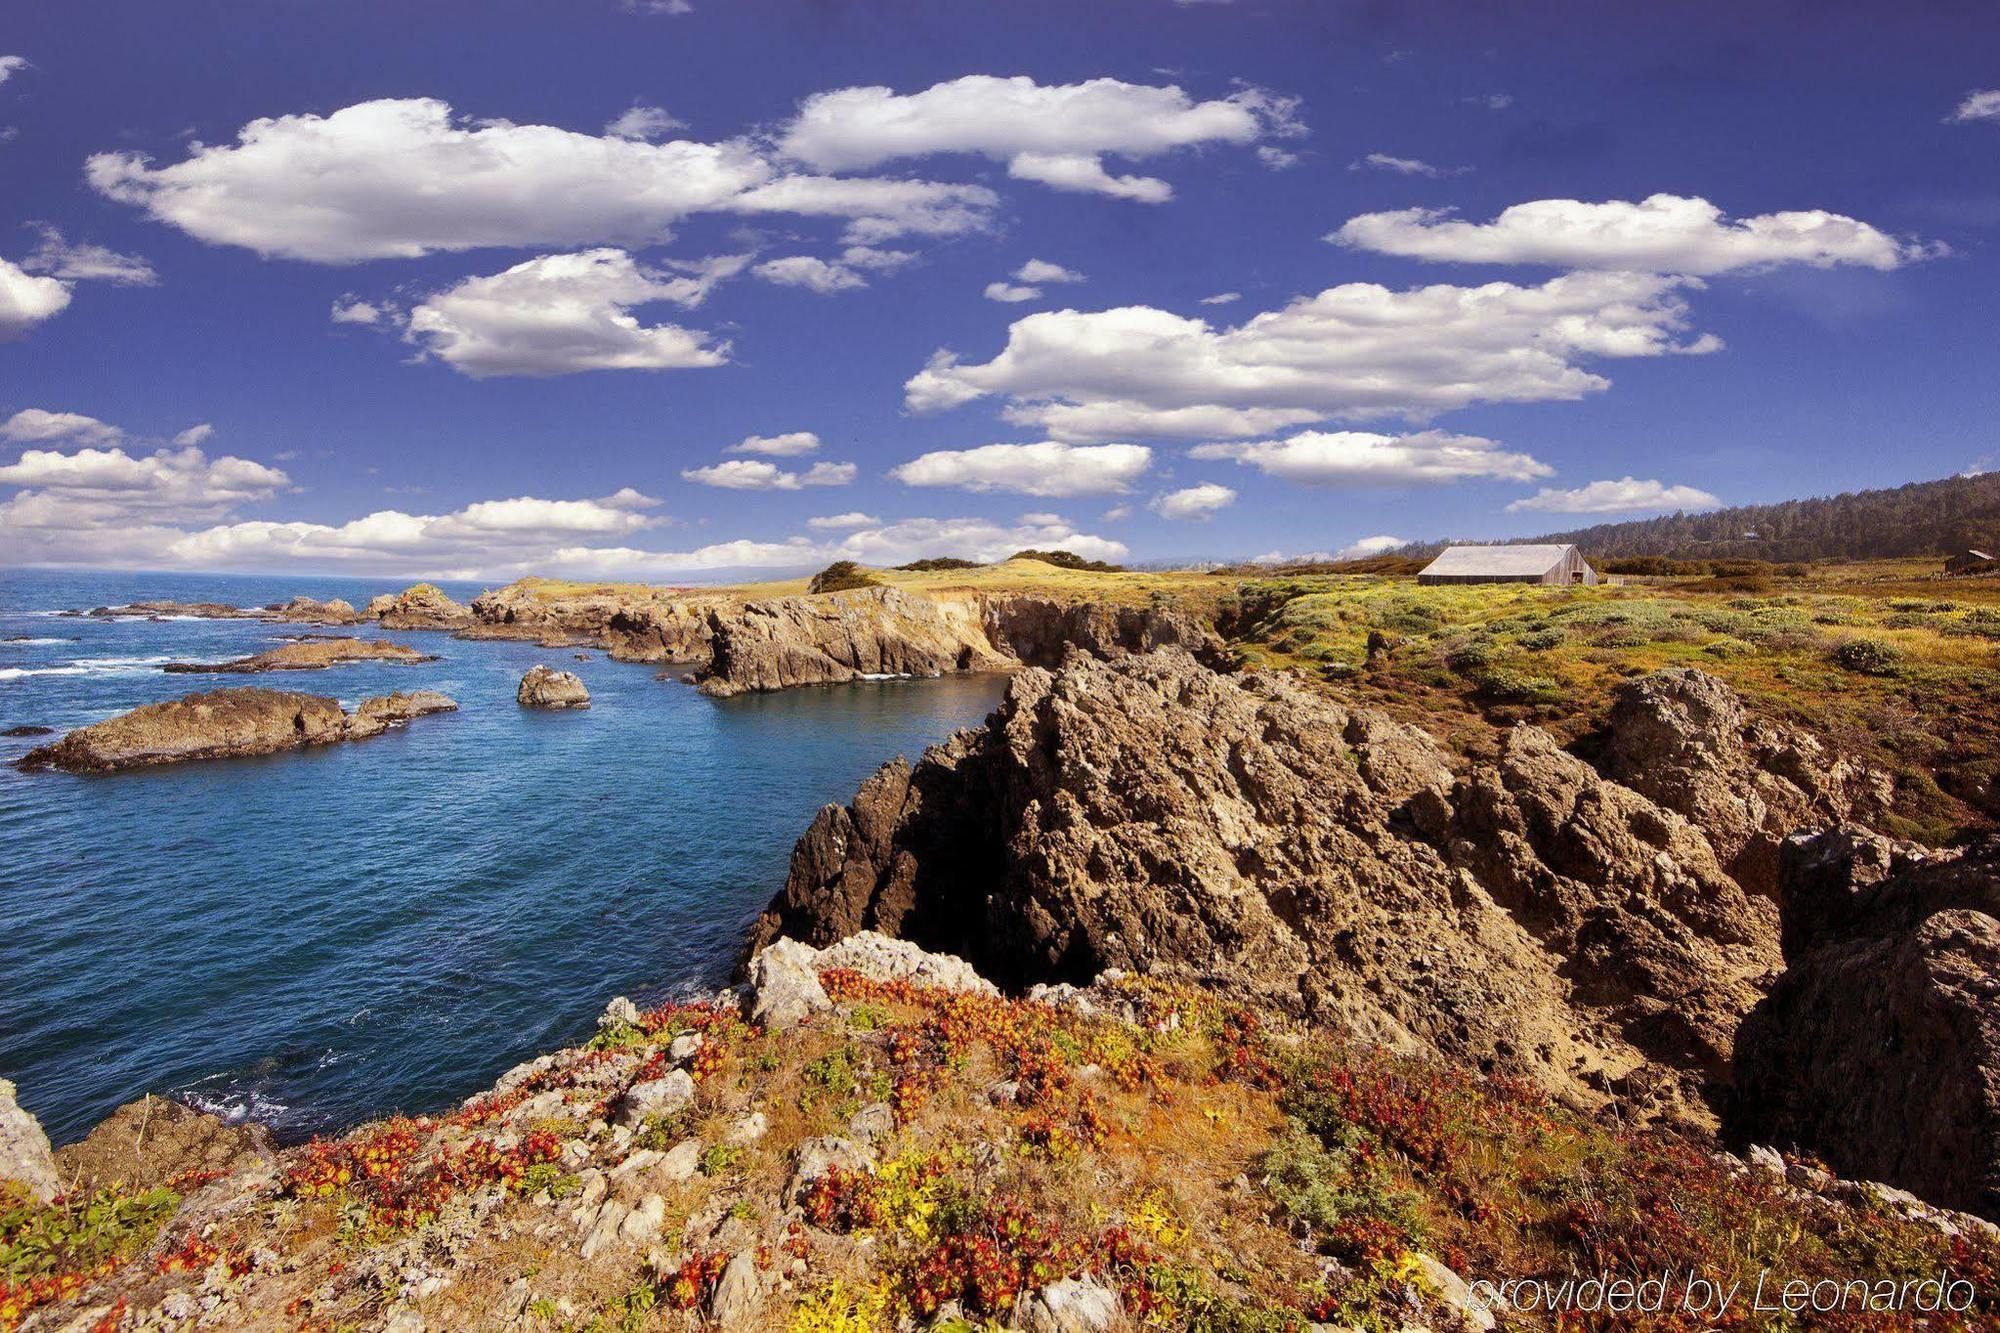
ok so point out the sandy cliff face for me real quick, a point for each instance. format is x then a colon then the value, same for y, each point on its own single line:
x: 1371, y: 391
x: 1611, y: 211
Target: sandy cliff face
x: 1242, y: 833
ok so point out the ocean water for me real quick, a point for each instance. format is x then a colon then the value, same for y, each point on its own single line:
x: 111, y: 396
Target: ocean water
x: 320, y: 937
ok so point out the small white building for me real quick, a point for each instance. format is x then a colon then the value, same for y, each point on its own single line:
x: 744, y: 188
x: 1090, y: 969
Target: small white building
x: 1509, y: 564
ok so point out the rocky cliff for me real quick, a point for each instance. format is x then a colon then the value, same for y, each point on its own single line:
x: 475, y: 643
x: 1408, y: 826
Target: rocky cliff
x: 842, y: 636
x: 225, y: 724
x: 1879, y: 1047
x: 1249, y: 836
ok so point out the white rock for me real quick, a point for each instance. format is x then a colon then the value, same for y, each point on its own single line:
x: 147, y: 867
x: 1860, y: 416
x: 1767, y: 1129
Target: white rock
x: 644, y: 1222
x: 784, y: 986
x: 1767, y: 1159
x: 680, y: 1162
x: 658, y: 1096
x: 749, y: 1129
x: 603, y: 1228
x: 684, y: 1047
x: 1452, y: 1290
x: 1073, y: 1305
x: 739, y: 1296
x: 25, y: 1156
x: 638, y: 1161
x: 818, y: 1156
x: 621, y: 1012
x: 880, y: 958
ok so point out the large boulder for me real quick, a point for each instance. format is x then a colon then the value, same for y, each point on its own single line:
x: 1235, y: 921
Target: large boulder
x: 420, y: 606
x: 545, y: 687
x: 1879, y: 1047
x: 1682, y: 738
x: 226, y: 724
x: 311, y: 611
x: 156, y: 1140
x: 25, y: 1159
x: 1242, y: 833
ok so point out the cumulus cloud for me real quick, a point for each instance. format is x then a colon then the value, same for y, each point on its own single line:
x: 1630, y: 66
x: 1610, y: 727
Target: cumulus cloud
x: 1364, y: 458
x: 198, y: 434
x: 1222, y: 298
x: 560, y: 314
x: 354, y: 310
x: 1368, y: 546
x: 642, y: 121
x: 1981, y: 105
x: 11, y: 65
x: 1044, y: 272
x: 1010, y: 293
x: 27, y: 300
x: 1056, y: 134
x: 1354, y: 351
x: 853, y: 518
x: 80, y: 261
x: 789, y: 445
x: 1193, y: 502
x: 100, y: 487
x: 1664, y: 233
x: 1623, y: 496
x: 754, y: 474
x: 35, y: 425
x: 815, y: 275
x: 1048, y: 468
x: 399, y: 178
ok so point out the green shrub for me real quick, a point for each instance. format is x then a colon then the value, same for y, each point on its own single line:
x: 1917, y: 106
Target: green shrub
x: 840, y: 576
x: 1068, y: 560
x: 939, y: 562
x: 1868, y: 657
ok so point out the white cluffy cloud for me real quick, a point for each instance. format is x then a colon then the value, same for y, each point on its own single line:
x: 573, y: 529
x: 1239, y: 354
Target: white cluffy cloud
x: 813, y: 274
x: 1981, y: 105
x: 560, y: 314
x: 789, y: 445
x: 399, y: 178
x: 1056, y: 134
x: 36, y: 425
x: 1042, y: 271
x: 1354, y: 351
x: 93, y: 488
x: 1368, y: 546
x: 354, y: 310
x: 754, y: 474
x: 11, y: 65
x: 643, y: 121
x: 1624, y: 496
x: 853, y: 518
x: 1049, y: 468
x: 27, y: 300
x: 1194, y: 501
x: 1010, y: 293
x: 1662, y: 234
x: 1364, y: 458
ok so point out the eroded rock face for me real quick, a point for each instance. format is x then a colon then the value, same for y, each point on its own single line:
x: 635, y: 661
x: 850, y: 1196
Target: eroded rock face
x: 155, y: 1139
x: 1879, y: 1048
x: 1039, y: 630
x: 25, y: 1159
x: 308, y: 655
x: 545, y: 687
x: 312, y: 611
x: 1681, y: 737
x: 224, y: 724
x: 837, y: 637
x: 1242, y: 833
x: 421, y: 606
x: 632, y: 624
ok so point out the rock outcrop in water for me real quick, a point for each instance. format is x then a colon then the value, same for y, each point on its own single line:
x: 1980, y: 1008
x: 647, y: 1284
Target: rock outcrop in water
x: 420, y: 606
x: 309, y: 655
x: 631, y: 623
x: 1879, y: 1048
x: 545, y: 687
x: 165, y: 610
x: 1243, y: 834
x: 843, y: 636
x: 227, y: 724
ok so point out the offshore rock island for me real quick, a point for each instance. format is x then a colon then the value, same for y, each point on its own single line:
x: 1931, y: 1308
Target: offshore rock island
x: 1287, y: 950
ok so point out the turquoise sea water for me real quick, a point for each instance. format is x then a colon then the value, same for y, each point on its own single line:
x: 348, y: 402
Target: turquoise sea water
x: 324, y: 936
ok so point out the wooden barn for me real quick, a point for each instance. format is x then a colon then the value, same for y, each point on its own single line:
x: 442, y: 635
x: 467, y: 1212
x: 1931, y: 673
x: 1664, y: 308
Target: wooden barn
x: 1509, y: 564
x: 1971, y: 562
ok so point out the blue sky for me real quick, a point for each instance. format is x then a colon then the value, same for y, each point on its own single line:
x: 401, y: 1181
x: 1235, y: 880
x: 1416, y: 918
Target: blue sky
x: 1492, y: 275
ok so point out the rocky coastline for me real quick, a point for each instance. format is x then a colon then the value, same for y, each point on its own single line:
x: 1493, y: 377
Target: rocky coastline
x: 310, y: 654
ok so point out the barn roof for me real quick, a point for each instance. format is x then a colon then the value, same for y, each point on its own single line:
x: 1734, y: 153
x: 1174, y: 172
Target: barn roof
x: 1514, y: 560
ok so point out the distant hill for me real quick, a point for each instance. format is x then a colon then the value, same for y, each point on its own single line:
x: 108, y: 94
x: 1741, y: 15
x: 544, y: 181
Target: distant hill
x: 1925, y: 518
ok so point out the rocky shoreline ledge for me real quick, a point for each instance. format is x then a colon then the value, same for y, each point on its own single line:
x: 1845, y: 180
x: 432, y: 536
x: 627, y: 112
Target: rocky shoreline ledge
x: 228, y: 723
x: 310, y: 654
